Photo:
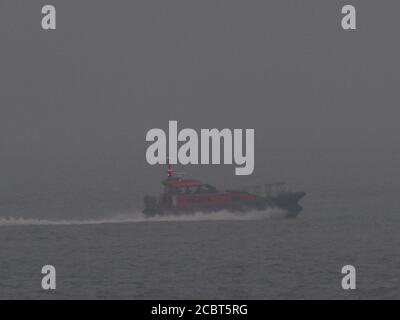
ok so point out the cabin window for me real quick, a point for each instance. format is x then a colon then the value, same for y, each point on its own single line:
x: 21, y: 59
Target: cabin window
x: 206, y: 188
x: 174, y: 190
x: 189, y: 190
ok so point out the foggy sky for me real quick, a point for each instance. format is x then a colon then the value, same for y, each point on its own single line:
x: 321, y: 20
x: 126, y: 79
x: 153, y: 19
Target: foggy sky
x: 76, y: 103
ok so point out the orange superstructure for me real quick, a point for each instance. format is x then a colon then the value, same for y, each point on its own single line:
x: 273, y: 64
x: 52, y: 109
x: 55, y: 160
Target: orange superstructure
x: 187, y: 196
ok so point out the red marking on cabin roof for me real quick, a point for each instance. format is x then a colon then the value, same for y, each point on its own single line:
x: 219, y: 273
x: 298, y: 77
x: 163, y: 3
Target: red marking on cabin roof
x: 184, y: 183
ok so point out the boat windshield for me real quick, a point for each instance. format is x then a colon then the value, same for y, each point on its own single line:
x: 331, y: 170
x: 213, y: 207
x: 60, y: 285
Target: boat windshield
x: 205, y: 188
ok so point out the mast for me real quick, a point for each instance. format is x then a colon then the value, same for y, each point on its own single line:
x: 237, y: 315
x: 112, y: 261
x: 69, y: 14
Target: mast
x: 170, y: 170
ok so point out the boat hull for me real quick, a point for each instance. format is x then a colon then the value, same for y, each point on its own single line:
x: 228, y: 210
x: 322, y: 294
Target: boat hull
x: 287, y: 203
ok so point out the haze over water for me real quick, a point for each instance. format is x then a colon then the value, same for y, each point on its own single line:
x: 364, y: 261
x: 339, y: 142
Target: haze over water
x: 75, y: 106
x: 112, y: 253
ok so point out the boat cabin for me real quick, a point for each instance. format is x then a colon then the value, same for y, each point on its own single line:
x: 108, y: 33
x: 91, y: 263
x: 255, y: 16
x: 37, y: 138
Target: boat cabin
x: 185, y: 187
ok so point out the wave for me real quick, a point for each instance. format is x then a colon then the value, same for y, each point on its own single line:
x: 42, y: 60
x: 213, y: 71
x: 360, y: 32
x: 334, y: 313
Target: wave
x: 139, y: 217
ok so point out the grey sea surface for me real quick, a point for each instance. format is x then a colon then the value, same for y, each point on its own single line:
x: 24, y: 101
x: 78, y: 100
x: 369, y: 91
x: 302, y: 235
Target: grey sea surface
x: 76, y: 104
x: 126, y: 256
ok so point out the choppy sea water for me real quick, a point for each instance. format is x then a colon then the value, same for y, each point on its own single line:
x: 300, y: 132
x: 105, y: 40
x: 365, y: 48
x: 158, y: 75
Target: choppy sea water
x: 126, y: 256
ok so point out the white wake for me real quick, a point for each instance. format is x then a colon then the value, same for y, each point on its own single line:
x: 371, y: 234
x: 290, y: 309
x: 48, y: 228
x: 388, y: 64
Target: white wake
x: 139, y: 217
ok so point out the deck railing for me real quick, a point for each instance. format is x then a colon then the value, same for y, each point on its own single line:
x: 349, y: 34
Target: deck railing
x: 266, y: 190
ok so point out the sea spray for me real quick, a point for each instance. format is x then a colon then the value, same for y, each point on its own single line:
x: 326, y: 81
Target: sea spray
x: 136, y: 217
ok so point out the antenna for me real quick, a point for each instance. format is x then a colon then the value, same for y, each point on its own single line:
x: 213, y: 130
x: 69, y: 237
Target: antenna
x: 171, y: 171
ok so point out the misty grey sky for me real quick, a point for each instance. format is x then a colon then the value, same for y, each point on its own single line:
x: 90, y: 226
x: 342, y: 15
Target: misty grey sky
x: 81, y: 98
